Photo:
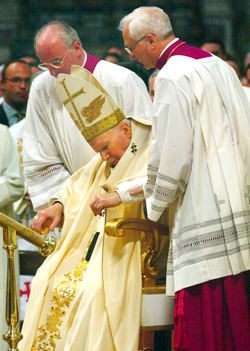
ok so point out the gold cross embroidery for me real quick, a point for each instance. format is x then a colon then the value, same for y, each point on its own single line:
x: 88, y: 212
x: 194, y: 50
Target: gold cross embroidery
x: 72, y: 97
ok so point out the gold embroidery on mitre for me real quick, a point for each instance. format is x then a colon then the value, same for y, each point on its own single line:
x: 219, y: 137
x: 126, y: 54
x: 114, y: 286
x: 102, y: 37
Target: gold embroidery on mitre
x: 102, y: 125
x: 62, y: 296
x: 93, y: 111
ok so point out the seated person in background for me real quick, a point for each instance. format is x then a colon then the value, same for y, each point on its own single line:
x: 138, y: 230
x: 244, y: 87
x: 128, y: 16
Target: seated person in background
x: 87, y: 294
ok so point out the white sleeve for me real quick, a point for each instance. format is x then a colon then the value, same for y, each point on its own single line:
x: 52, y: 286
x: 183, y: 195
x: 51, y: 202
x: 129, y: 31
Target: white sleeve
x: 44, y: 169
x: 171, y: 151
x: 11, y: 176
x: 55, y: 198
x: 124, y: 188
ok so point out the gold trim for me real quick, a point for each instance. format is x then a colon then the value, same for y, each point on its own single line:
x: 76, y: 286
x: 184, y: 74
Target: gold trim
x: 175, y: 49
x: 103, y: 125
x: 63, y: 294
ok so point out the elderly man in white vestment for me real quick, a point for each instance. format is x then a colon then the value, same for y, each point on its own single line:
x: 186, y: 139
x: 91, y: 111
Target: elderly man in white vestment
x: 11, y: 189
x: 51, y: 154
x: 78, y: 302
x: 200, y: 158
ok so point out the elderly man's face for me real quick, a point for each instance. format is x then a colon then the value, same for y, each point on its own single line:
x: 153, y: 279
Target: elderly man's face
x: 140, y: 50
x: 50, y: 47
x: 113, y: 143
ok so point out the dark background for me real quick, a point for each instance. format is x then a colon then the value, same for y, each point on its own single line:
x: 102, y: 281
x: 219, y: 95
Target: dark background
x: 96, y: 22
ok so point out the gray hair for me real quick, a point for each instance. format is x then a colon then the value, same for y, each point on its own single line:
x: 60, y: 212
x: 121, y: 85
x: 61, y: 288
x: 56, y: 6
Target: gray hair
x: 126, y: 120
x: 63, y: 30
x: 154, y: 74
x: 144, y: 20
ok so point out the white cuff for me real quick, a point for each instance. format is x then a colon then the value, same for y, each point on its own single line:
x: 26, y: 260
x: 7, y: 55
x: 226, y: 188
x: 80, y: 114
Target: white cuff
x: 123, y: 190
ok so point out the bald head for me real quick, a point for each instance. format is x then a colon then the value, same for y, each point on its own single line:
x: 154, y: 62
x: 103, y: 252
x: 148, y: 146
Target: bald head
x: 58, y: 41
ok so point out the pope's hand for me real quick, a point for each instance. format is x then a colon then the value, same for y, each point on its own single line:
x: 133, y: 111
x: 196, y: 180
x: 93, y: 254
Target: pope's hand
x: 46, y: 220
x: 100, y: 202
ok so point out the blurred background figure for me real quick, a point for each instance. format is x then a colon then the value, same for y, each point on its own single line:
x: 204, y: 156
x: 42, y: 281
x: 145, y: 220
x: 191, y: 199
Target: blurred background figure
x: 32, y: 61
x: 1, y: 90
x: 117, y: 51
x: 136, y: 68
x: 151, y: 84
x: 112, y: 57
x: 233, y: 63
x: 15, y: 84
x: 215, y: 46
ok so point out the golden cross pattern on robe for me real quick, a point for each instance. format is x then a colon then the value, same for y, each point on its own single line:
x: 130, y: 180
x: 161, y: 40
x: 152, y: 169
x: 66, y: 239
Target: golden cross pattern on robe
x: 218, y: 202
x: 65, y: 291
x: 72, y: 97
x: 133, y: 148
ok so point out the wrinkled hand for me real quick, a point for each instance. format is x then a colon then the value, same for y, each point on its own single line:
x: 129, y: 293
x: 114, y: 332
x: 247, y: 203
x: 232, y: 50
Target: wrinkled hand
x: 46, y: 220
x: 100, y: 202
x: 136, y: 191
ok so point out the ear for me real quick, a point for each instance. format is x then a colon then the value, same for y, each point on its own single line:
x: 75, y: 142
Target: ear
x: 2, y: 84
x: 77, y: 48
x: 152, y: 40
x: 126, y: 129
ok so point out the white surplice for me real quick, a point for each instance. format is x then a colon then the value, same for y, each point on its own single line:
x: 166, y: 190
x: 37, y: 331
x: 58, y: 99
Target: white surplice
x: 53, y: 146
x: 200, y: 155
x: 11, y: 189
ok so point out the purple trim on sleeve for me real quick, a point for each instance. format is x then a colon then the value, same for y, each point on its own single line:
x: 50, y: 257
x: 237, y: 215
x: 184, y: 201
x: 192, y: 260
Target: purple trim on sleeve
x: 91, y: 63
x: 181, y: 49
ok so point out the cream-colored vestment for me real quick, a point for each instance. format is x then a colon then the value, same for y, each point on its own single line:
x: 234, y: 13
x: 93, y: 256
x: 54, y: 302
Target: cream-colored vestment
x: 95, y: 306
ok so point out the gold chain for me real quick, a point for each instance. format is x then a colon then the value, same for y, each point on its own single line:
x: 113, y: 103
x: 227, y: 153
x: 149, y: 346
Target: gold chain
x: 175, y: 49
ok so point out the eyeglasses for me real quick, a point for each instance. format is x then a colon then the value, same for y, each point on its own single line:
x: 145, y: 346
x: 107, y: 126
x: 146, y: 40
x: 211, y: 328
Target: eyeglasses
x: 17, y: 80
x: 132, y: 49
x: 57, y: 63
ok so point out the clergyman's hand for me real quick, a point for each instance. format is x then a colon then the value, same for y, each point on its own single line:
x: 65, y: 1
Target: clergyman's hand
x: 49, y: 218
x: 136, y: 191
x: 100, y: 202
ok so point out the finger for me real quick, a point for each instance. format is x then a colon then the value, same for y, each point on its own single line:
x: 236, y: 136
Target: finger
x: 136, y: 191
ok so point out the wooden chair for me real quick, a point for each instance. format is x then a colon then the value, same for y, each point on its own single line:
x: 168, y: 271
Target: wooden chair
x: 157, y: 308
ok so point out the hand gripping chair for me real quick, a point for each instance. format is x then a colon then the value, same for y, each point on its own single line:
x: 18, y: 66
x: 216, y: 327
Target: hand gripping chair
x: 157, y: 308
